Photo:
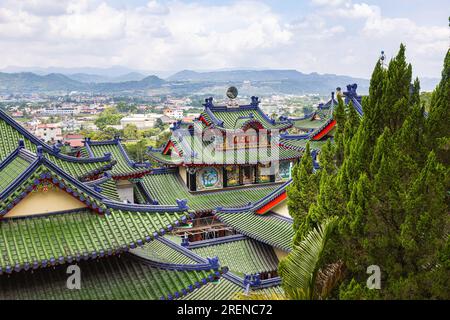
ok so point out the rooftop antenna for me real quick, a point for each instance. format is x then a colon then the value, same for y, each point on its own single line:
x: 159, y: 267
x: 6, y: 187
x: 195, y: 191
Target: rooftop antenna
x: 383, y: 59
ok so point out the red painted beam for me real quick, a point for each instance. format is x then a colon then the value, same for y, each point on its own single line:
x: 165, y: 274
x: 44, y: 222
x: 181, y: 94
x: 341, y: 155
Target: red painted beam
x: 325, y: 130
x: 272, y: 203
x: 202, y: 119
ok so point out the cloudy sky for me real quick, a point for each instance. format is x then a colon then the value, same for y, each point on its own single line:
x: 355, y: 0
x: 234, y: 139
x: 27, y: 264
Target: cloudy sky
x: 325, y: 36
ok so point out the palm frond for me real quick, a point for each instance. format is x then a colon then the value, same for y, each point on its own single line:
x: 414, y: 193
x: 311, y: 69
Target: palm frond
x: 328, y: 278
x: 299, y: 269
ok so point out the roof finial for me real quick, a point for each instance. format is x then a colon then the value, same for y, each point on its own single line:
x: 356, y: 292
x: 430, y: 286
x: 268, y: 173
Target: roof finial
x: 255, y: 101
x: 39, y: 151
x: 185, y: 241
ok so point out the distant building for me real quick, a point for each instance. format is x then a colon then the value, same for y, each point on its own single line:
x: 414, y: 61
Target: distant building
x: 60, y: 111
x: 175, y: 113
x: 49, y: 132
x: 74, y: 140
x: 141, y: 121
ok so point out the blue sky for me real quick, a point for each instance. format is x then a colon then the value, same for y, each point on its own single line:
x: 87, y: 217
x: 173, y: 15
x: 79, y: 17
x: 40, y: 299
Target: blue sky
x: 325, y: 36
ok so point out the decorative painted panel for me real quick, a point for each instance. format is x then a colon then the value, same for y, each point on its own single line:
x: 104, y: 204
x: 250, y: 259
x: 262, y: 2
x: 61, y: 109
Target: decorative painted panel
x: 209, y: 178
x: 232, y: 176
x: 285, y: 170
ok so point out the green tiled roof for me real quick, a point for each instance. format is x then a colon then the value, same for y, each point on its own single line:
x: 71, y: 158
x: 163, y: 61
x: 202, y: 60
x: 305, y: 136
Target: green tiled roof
x: 112, y: 278
x: 122, y: 167
x: 11, y: 171
x: 269, y: 228
x: 40, y: 239
x: 245, y: 256
x: 235, y: 118
x: 241, y: 256
x: 309, y: 123
x: 79, y: 169
x: 167, y: 187
x: 160, y: 252
x: 204, y: 155
x: 227, y: 290
x: 9, y: 140
x: 300, y: 144
x: 221, y: 290
x: 109, y: 190
x: 157, y: 155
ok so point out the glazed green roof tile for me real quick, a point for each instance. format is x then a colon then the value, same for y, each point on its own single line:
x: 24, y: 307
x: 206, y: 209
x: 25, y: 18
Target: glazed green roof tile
x: 167, y: 187
x: 83, y: 152
x: 235, y: 118
x: 79, y: 169
x: 309, y: 123
x: 192, y: 150
x: 9, y: 141
x: 112, y: 278
x: 41, y: 239
x: 160, y: 252
x: 323, y: 115
x: 300, y: 144
x: 245, y: 256
x: 268, y: 292
x: 38, y: 240
x: 11, y: 171
x: 165, y: 159
x: 269, y: 228
x: 109, y: 190
x: 219, y: 290
x: 122, y: 167
x: 139, y: 197
x: 227, y: 290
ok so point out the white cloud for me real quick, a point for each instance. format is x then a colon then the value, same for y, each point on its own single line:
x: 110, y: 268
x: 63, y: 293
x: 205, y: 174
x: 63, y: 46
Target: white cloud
x: 332, y: 3
x: 335, y: 36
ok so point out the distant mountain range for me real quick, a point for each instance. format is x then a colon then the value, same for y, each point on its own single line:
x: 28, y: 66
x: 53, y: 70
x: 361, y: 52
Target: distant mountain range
x: 118, y: 80
x: 27, y: 82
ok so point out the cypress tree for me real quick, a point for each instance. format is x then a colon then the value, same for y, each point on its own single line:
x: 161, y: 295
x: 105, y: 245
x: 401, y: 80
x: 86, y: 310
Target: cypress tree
x: 339, y: 137
x: 303, y: 190
x: 438, y: 129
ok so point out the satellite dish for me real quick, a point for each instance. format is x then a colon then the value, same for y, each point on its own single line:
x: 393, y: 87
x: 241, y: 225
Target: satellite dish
x: 232, y: 92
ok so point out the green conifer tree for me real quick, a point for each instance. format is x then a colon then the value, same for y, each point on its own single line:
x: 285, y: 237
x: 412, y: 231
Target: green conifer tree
x: 438, y: 129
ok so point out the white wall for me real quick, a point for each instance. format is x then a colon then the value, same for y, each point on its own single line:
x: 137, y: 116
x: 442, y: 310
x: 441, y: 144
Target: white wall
x: 125, y: 189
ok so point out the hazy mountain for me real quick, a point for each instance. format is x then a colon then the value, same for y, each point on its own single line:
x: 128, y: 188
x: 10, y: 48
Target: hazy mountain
x: 144, y: 84
x: 95, y: 78
x: 88, y: 78
x: 114, y: 71
x: 27, y: 82
x: 132, y: 76
x: 249, y: 75
x: 274, y: 81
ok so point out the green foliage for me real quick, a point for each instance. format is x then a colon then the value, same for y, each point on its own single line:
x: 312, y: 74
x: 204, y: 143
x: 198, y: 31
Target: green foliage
x: 302, y: 193
x: 137, y: 150
x: 438, y: 129
x: 123, y: 107
x: 131, y: 132
x: 388, y: 182
x: 109, y: 116
x: 160, y: 124
x: 301, y: 268
x: 339, y: 116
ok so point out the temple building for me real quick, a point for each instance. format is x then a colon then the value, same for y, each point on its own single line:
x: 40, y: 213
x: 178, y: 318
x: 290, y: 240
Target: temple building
x: 197, y: 225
